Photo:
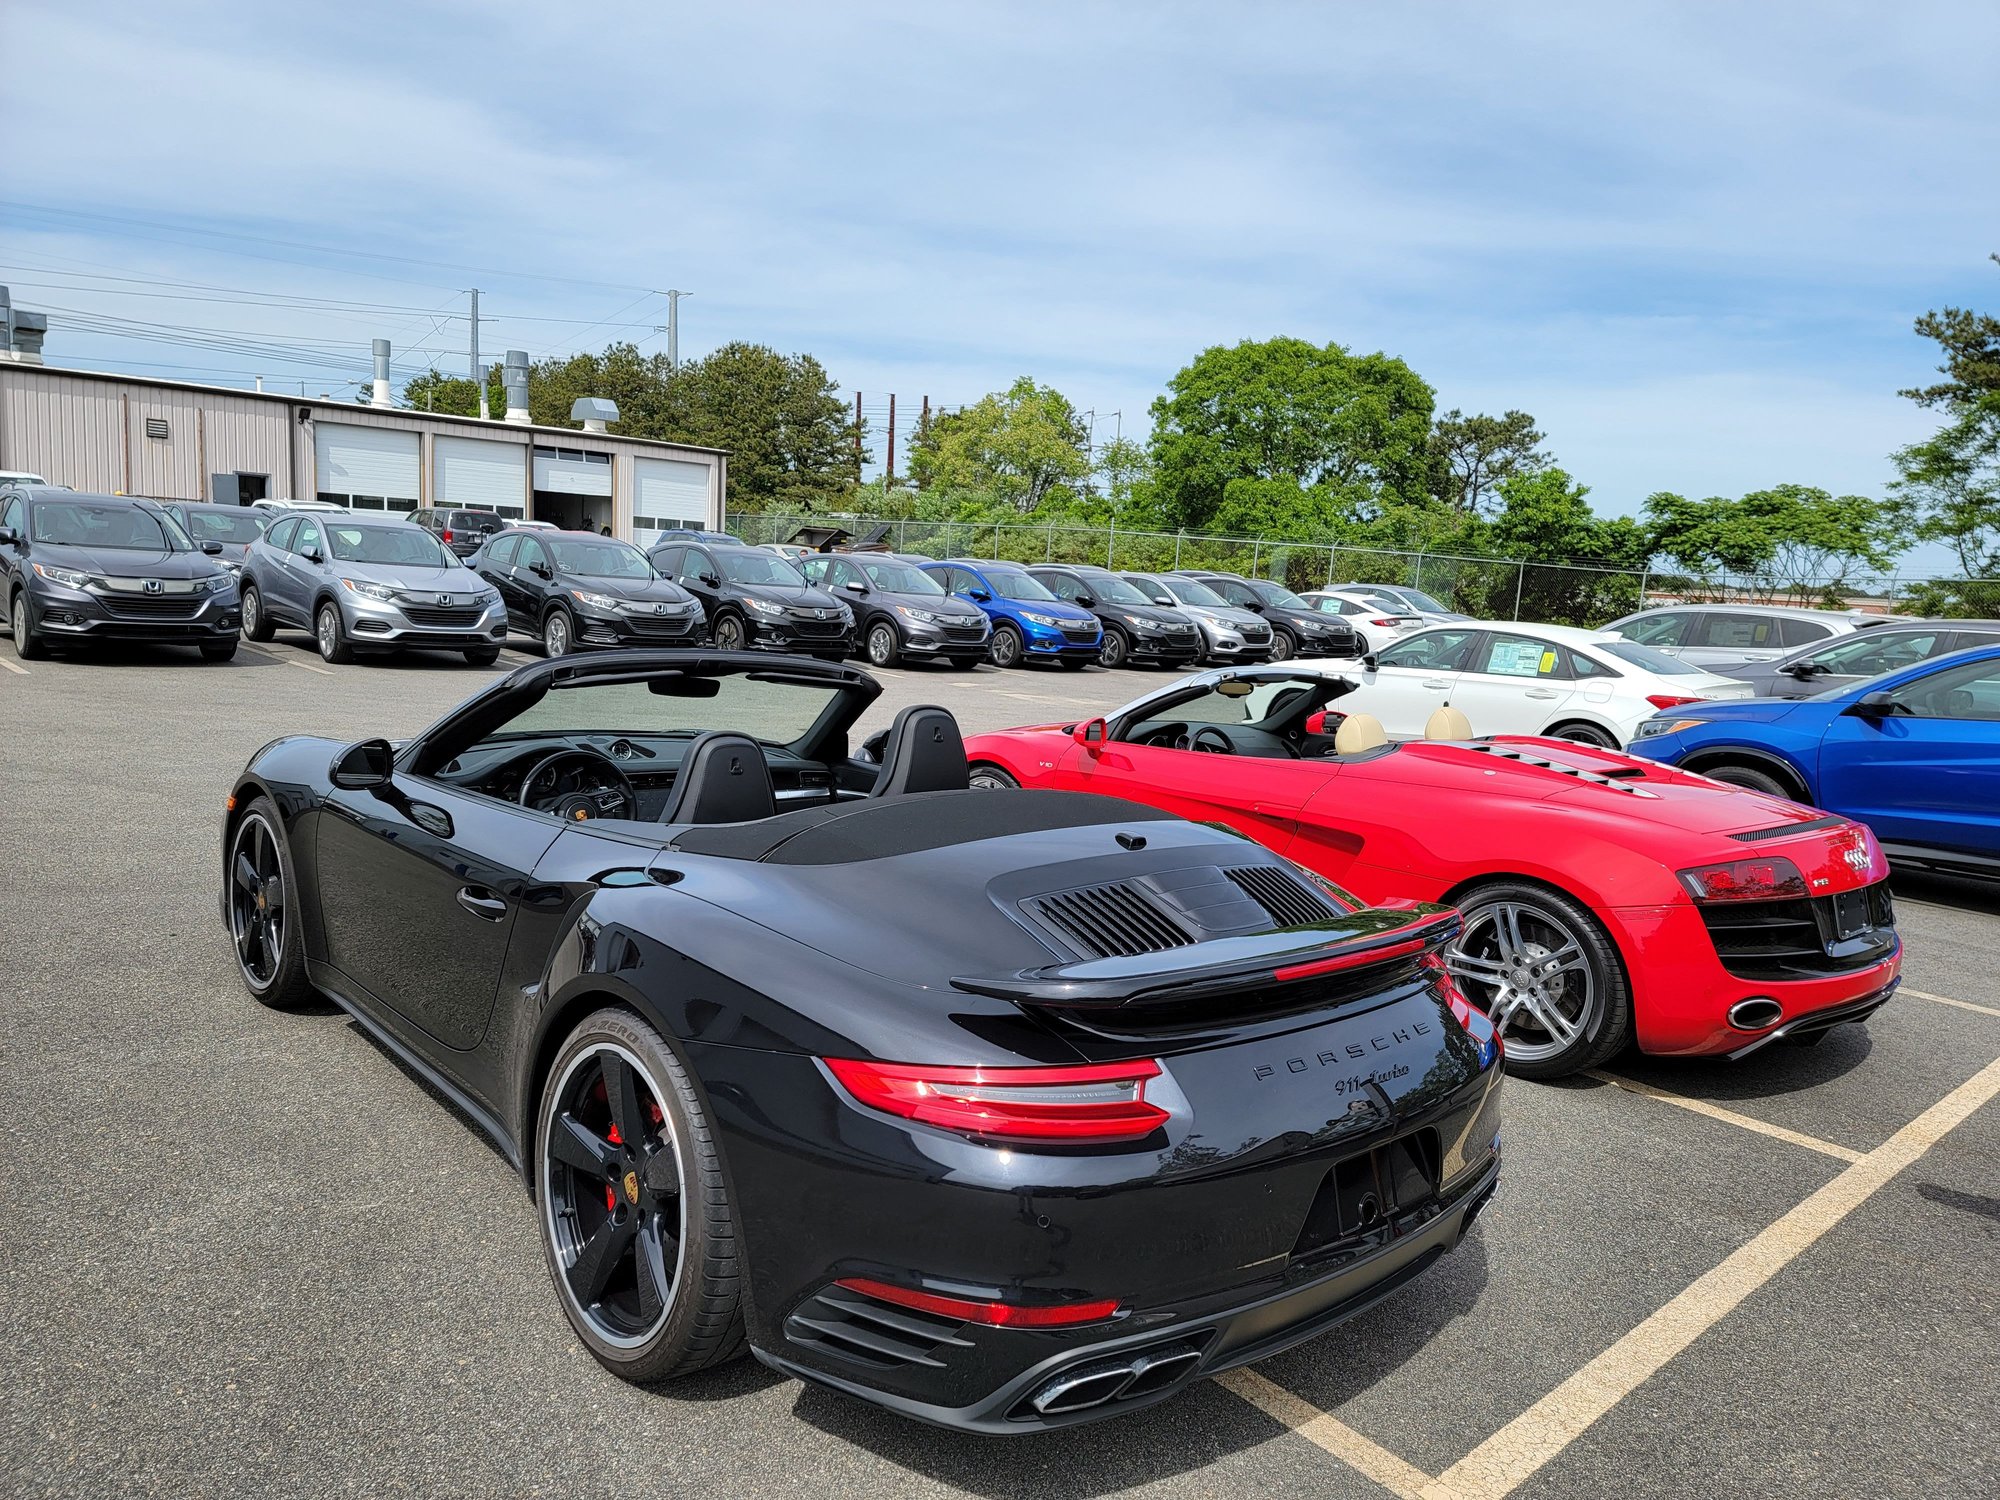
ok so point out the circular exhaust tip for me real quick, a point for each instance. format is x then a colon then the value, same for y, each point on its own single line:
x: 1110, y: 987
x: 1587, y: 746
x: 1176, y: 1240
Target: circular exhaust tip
x: 1758, y: 1013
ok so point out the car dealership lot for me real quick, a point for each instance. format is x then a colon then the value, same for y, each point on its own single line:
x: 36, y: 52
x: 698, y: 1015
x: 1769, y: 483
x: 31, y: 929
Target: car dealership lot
x: 245, y: 1253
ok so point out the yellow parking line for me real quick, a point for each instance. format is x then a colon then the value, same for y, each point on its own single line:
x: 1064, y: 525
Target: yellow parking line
x: 1517, y: 1451
x: 1984, y: 1010
x: 15, y: 667
x: 1727, y: 1116
x: 1399, y: 1478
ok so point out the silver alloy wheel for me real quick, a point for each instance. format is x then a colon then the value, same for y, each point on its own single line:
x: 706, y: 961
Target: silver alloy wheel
x: 882, y: 645
x: 250, y: 607
x: 555, y: 634
x: 642, y: 1176
x: 990, y: 779
x: 729, y: 634
x: 1005, y: 647
x: 1113, y: 654
x: 328, y: 634
x: 20, y: 618
x: 1527, y: 969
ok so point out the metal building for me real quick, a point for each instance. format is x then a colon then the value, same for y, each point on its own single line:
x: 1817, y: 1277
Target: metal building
x: 179, y: 441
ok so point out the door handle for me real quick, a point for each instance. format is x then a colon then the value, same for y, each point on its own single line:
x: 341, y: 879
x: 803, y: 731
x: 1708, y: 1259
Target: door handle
x: 1436, y: 682
x: 1541, y: 693
x: 482, y: 903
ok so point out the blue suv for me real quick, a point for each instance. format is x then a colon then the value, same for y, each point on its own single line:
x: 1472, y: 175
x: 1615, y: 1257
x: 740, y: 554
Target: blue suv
x: 1913, y: 753
x: 1029, y: 622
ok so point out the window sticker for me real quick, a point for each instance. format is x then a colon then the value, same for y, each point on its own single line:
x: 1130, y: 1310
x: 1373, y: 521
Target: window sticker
x: 1517, y: 659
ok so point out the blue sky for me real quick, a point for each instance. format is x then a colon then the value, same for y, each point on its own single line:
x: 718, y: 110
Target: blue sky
x: 1690, y: 239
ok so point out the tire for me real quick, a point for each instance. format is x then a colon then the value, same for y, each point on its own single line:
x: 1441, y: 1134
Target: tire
x: 218, y: 650
x: 987, y: 777
x: 257, y: 623
x: 965, y: 663
x: 1586, y: 734
x: 27, y: 645
x: 482, y: 656
x: 1754, y: 779
x: 663, y: 1172
x: 1073, y: 663
x: 558, y: 634
x: 1553, y: 1024
x: 330, y: 636
x: 882, y: 647
x: 729, y: 633
x: 1117, y: 649
x: 1005, y: 649
x: 1284, y: 645
x: 258, y: 886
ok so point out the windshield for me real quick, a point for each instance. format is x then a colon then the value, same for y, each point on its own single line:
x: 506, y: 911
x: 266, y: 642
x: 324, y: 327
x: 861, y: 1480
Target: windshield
x: 389, y: 546
x: 1420, y: 600
x: 759, y: 567
x: 775, y: 713
x: 896, y: 577
x: 226, y: 525
x: 600, y: 559
x: 1652, y: 661
x: 114, y: 527
x: 481, y: 521
x: 1190, y: 591
x: 1012, y: 583
x: 1109, y: 590
x: 1271, y: 593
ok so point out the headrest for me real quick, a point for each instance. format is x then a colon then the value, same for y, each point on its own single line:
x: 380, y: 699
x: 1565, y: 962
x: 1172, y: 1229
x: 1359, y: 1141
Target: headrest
x: 923, y: 752
x: 723, y: 778
x: 1359, y: 732
x: 1447, y: 723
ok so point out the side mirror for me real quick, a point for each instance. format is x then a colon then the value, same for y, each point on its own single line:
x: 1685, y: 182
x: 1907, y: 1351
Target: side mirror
x: 855, y: 586
x: 1876, y: 706
x: 1805, y: 669
x: 369, y: 763
x: 711, y: 580
x: 314, y: 555
x: 1368, y: 660
x: 541, y: 570
x: 212, y: 549
x: 979, y: 596
x: 9, y: 537
x: 1086, y: 601
x: 1091, y: 733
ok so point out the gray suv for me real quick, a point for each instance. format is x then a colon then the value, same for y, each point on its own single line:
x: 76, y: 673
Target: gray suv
x: 1831, y: 665
x: 360, y: 584
x: 1721, y: 636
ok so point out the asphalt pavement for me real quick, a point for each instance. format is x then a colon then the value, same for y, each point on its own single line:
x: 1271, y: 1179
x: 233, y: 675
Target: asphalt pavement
x: 247, y: 1253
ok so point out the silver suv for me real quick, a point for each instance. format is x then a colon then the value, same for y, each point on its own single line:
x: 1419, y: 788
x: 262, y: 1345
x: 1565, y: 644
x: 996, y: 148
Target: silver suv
x: 364, y: 584
x: 1720, y: 636
x: 1228, y: 634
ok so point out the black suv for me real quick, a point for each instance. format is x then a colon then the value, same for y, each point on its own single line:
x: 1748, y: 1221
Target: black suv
x: 900, y: 610
x: 754, y: 599
x: 1297, y: 629
x: 574, y: 591
x: 464, y: 531
x: 76, y: 568
x: 1135, y: 629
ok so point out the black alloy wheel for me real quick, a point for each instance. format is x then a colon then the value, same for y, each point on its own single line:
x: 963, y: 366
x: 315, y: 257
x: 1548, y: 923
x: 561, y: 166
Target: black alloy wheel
x: 1117, y: 648
x: 256, y: 623
x: 883, y: 647
x: 259, y: 886
x: 1005, y: 648
x: 1284, y: 645
x: 636, y: 1224
x: 729, y: 634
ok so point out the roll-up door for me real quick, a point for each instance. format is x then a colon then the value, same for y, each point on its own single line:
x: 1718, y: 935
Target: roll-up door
x: 668, y: 493
x: 571, y: 471
x: 368, y: 468
x: 481, y: 473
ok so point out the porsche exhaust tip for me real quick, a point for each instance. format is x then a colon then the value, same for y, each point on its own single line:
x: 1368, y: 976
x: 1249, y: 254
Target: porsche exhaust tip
x: 1757, y: 1013
x: 1130, y: 1375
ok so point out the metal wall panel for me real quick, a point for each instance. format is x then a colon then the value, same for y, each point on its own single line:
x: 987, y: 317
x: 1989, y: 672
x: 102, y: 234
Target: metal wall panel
x: 480, y: 472
x: 352, y: 459
x: 667, y: 493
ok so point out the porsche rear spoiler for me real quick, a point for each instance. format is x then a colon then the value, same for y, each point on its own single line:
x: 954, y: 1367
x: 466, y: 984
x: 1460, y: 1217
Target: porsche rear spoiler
x: 1224, y: 966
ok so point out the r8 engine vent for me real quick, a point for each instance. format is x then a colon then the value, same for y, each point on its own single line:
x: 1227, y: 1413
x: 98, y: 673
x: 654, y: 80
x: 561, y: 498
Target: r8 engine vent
x: 1289, y: 901
x: 1110, y: 921
x: 855, y: 1327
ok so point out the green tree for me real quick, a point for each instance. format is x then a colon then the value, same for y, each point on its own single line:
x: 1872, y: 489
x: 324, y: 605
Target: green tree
x: 1026, y: 445
x: 1127, y: 472
x: 1471, y: 457
x: 1950, y: 482
x: 1356, y: 426
x: 455, y: 395
x: 1790, y: 539
x: 1567, y: 552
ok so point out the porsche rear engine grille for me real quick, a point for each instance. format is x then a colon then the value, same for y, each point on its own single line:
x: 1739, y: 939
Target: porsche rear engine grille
x: 1801, y: 939
x: 1286, y: 899
x: 857, y: 1328
x: 1110, y: 921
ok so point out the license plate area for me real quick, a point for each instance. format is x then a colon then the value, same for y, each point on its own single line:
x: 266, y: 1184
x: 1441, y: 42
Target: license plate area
x: 1853, y: 914
x: 1368, y: 1192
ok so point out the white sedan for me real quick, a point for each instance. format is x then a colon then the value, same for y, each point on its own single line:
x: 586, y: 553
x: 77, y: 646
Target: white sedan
x: 1510, y: 678
x: 1378, y: 624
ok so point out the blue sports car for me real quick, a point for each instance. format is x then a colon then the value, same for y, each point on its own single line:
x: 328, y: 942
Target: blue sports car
x: 1913, y: 753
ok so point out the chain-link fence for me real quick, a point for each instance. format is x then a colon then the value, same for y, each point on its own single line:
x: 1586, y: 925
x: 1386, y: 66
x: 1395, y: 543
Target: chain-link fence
x: 1485, y: 587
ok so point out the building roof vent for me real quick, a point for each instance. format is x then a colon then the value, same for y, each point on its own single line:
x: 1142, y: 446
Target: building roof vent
x: 593, y: 412
x: 514, y: 379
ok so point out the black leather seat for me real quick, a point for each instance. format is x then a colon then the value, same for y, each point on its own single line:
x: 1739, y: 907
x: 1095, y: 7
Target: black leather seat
x: 723, y: 778
x: 924, y: 752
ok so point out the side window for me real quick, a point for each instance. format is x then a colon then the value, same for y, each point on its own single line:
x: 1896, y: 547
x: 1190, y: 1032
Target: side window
x: 1967, y: 639
x: 531, y: 553
x: 818, y: 570
x: 1655, y: 630
x: 967, y: 581
x: 1062, y: 585
x: 307, y: 539
x: 1733, y: 632
x: 1520, y: 656
x: 1870, y: 652
x: 1581, y: 666
x: 1238, y: 594
x: 698, y: 564
x: 502, y: 555
x: 1802, y: 632
x: 280, y: 536
x: 1433, y: 650
x: 667, y: 561
x: 10, y: 513
x: 1969, y: 693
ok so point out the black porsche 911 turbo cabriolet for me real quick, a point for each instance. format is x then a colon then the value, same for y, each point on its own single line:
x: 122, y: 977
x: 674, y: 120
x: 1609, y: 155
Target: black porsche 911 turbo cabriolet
x: 1002, y: 1110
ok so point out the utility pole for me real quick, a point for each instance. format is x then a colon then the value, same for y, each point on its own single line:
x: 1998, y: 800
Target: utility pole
x: 478, y: 375
x: 889, y: 474
x: 674, y: 327
x: 857, y: 437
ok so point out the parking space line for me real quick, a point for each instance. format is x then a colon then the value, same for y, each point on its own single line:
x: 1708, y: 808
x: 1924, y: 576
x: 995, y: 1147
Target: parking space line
x: 1984, y: 1010
x: 1727, y: 1116
x: 1369, y: 1457
x: 15, y: 667
x: 1517, y: 1451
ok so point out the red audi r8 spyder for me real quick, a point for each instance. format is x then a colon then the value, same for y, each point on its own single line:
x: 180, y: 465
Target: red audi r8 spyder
x: 1607, y: 899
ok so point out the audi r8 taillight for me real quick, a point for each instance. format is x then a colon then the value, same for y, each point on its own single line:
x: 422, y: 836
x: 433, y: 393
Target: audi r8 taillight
x: 1100, y: 1102
x: 1770, y: 879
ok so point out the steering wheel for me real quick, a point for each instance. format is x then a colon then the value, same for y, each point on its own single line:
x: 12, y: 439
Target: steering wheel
x: 1213, y: 741
x: 578, y: 785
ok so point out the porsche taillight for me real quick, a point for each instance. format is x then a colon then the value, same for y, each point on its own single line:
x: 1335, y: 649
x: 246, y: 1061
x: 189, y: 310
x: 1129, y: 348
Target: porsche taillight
x: 1099, y: 1102
x: 992, y: 1314
x: 1769, y: 879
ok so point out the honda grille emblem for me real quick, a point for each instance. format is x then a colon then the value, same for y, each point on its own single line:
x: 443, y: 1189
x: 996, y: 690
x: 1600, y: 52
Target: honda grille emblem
x: 154, y: 586
x: 659, y: 609
x: 444, y: 598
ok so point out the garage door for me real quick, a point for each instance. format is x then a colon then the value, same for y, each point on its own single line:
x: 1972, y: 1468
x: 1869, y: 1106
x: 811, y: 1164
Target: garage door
x: 481, y: 473
x: 667, y: 493
x: 368, y: 468
x: 571, y: 471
